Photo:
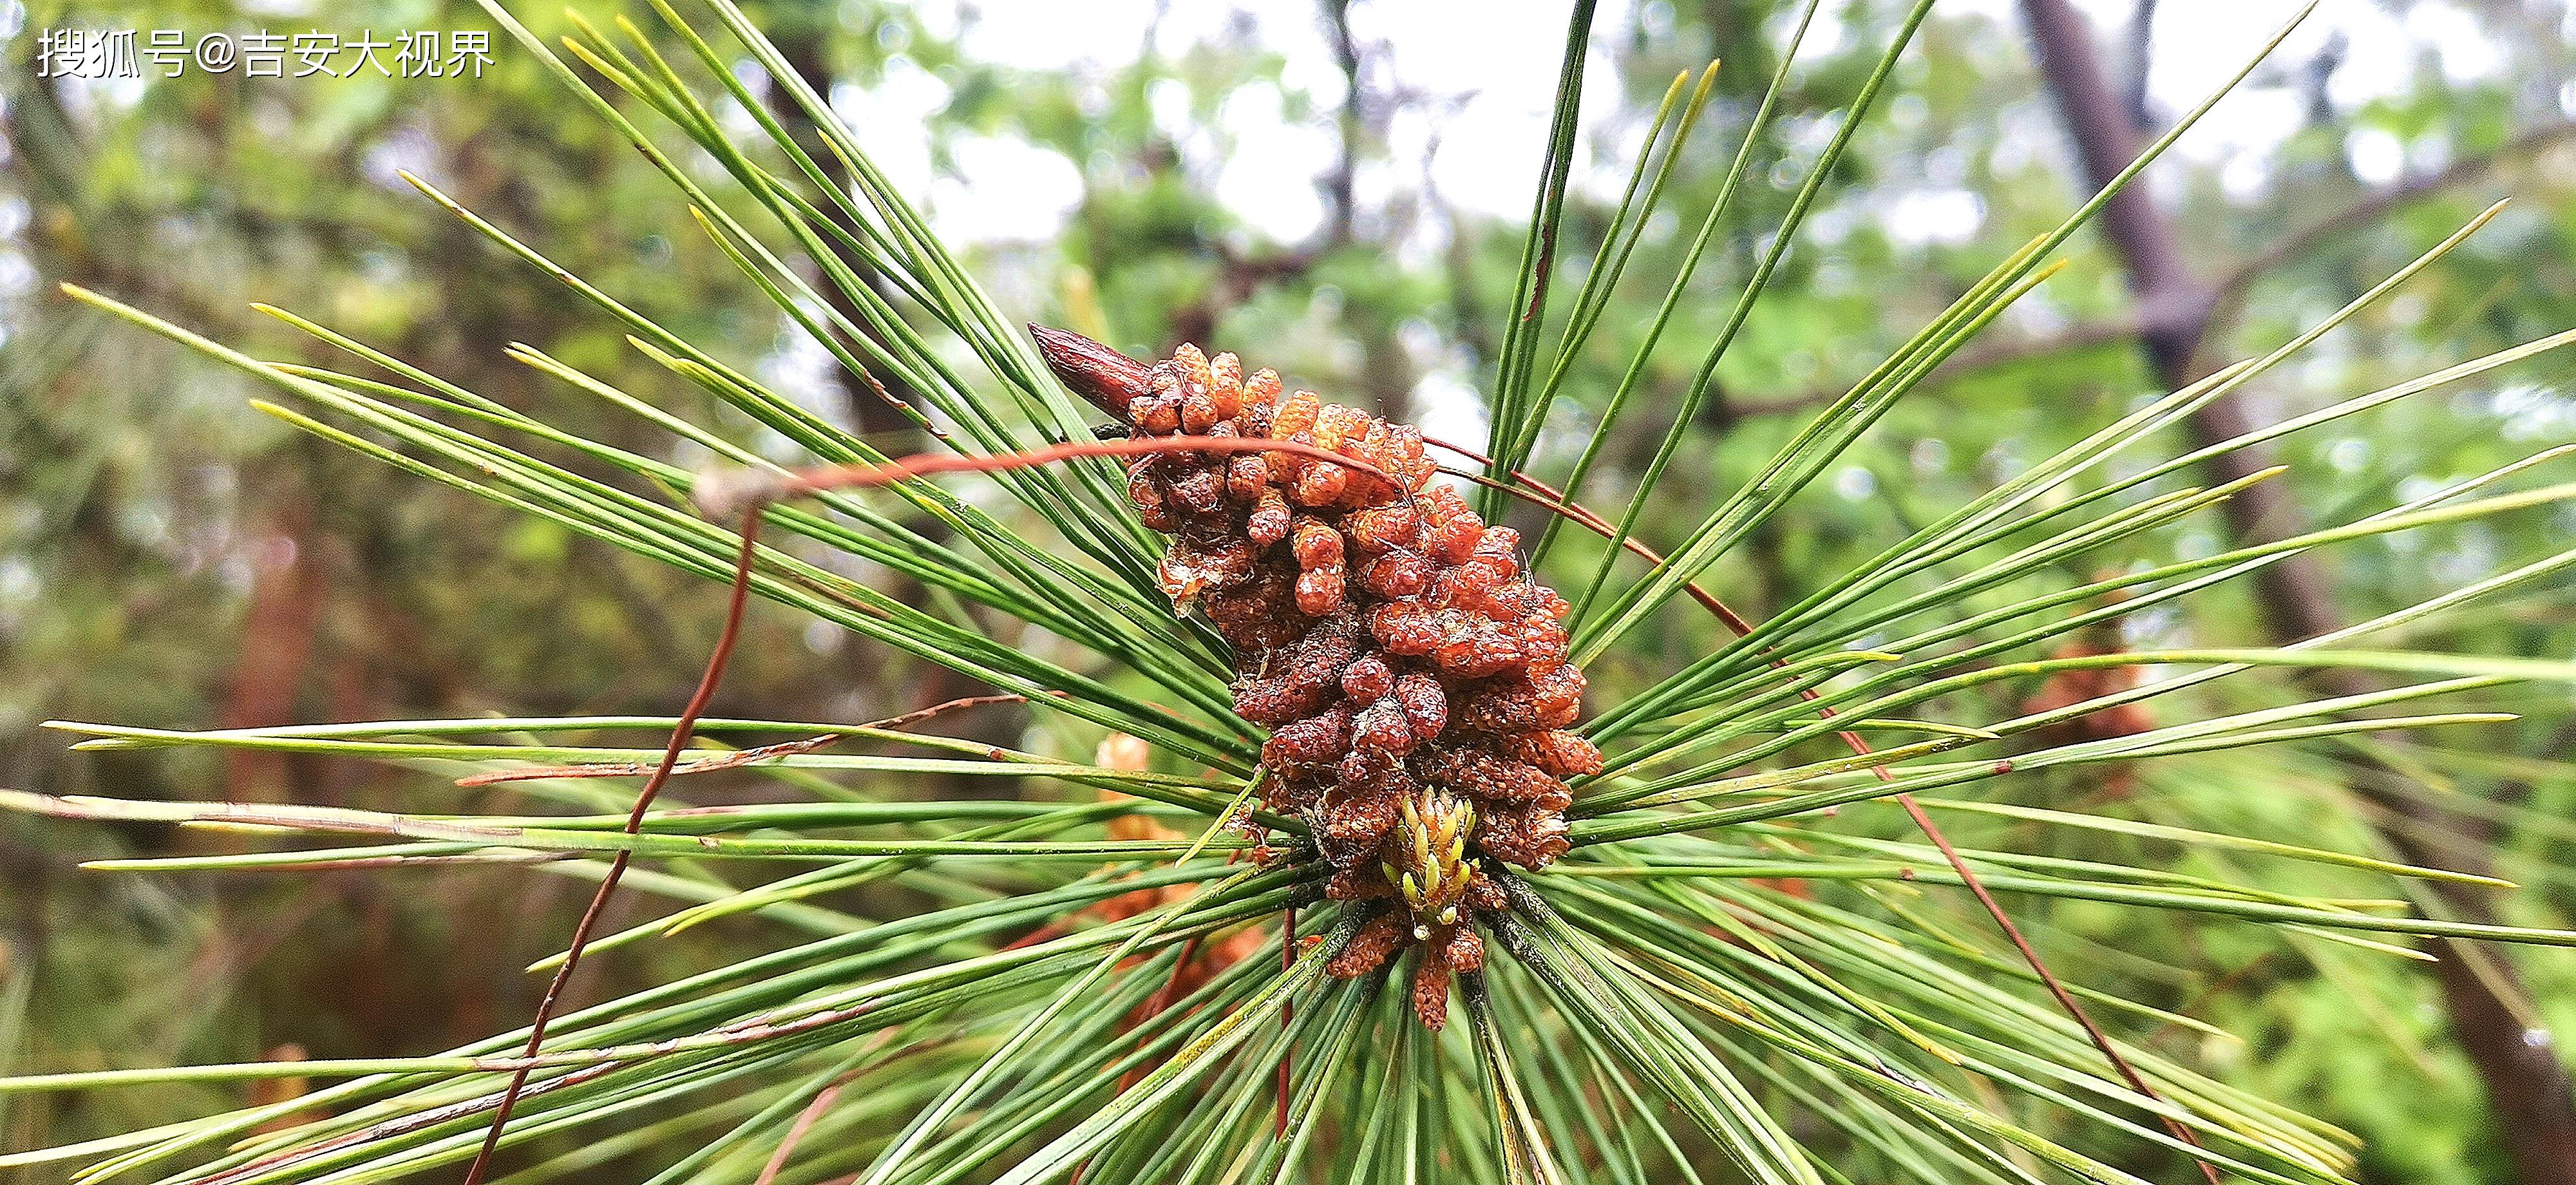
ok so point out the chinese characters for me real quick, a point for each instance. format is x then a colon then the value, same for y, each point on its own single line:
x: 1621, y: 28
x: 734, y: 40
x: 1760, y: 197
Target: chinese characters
x: 171, y: 53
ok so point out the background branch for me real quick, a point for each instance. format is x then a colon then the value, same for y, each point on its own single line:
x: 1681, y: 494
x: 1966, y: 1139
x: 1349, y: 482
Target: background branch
x: 2188, y: 313
x: 2528, y: 1087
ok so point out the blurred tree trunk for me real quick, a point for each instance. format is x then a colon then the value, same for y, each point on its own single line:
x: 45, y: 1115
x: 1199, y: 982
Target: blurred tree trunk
x: 278, y: 628
x: 806, y: 46
x: 2527, y: 1086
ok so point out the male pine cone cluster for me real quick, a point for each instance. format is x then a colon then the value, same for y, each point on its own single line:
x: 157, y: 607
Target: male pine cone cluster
x: 1414, y: 681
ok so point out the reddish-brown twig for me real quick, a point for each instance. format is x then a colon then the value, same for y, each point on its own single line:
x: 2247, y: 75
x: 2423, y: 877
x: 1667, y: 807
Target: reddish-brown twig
x: 805, y: 1121
x: 726, y: 494
x: 680, y: 733
x: 737, y: 758
x: 1553, y: 500
x: 629, y: 769
x: 942, y: 708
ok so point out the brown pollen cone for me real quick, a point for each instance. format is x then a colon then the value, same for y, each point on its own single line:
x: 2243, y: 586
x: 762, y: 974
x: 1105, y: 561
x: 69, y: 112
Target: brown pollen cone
x: 1413, y: 678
